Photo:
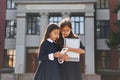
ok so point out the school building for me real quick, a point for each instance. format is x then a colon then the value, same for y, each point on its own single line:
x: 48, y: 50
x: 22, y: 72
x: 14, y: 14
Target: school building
x: 23, y: 23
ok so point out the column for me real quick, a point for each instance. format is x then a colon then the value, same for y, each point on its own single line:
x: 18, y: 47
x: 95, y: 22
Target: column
x: 20, y: 44
x: 65, y: 14
x: 43, y: 24
x: 90, y: 48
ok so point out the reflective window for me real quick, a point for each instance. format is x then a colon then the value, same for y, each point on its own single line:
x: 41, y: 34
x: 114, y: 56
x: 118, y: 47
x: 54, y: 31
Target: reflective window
x: 78, y: 24
x: 10, y: 29
x: 103, y: 4
x: 9, y: 58
x: 33, y: 24
x: 119, y: 57
x: 11, y: 4
x: 103, y: 29
x: 119, y: 3
x: 118, y: 24
x: 55, y: 18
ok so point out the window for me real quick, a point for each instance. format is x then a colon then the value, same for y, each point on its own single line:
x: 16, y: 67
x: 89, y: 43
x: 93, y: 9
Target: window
x: 11, y: 4
x: 103, y: 29
x: 9, y: 57
x: 55, y: 18
x: 11, y: 29
x: 118, y: 22
x: 119, y: 3
x: 78, y: 24
x: 33, y: 24
x: 103, y: 4
x: 119, y: 58
x: 103, y: 58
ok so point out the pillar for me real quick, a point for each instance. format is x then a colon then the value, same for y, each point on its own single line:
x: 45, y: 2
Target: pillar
x: 90, y: 48
x: 65, y: 15
x: 44, y: 23
x: 20, y: 44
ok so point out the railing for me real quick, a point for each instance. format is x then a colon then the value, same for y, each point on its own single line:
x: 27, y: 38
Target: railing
x: 103, y: 60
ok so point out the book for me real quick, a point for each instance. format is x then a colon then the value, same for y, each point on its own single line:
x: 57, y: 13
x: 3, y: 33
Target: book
x: 72, y: 43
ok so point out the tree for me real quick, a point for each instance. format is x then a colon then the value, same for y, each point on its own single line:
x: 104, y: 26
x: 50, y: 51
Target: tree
x: 114, y: 40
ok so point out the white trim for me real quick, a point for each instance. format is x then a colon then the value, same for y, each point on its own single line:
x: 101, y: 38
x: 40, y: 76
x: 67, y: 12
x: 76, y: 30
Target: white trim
x: 51, y: 56
x: 50, y: 40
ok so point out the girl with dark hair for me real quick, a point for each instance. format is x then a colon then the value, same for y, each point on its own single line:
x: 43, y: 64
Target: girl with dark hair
x: 48, y: 68
x: 69, y: 70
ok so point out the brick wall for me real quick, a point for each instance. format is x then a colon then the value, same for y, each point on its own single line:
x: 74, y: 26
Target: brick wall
x: 113, y: 15
x: 2, y: 29
x: 113, y: 26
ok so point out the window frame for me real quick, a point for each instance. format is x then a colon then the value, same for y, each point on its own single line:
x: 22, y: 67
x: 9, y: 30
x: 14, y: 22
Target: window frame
x: 7, y: 58
x: 10, y: 2
x: 8, y: 29
x: 34, y: 30
x: 103, y: 34
x: 55, y: 15
x: 118, y: 22
x: 79, y: 23
x: 104, y: 4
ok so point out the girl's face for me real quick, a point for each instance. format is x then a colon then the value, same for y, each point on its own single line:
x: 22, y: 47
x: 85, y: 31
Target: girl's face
x: 54, y: 34
x: 65, y: 31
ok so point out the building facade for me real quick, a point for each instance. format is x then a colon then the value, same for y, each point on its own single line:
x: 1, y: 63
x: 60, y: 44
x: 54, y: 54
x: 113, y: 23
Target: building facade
x: 23, y: 23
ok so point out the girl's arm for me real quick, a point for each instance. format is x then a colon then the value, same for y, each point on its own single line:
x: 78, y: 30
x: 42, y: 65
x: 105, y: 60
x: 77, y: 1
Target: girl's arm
x: 50, y: 56
x: 56, y: 55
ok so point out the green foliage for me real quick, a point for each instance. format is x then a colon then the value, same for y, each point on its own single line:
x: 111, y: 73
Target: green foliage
x: 114, y: 40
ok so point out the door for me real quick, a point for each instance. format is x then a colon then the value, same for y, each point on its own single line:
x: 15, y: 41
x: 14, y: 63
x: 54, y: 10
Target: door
x: 31, y: 62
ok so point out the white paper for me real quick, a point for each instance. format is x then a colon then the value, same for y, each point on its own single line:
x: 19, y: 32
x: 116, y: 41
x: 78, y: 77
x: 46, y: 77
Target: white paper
x: 72, y: 43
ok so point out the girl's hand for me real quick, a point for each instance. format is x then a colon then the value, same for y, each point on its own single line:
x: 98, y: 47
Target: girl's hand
x: 58, y: 55
x: 68, y: 48
x: 65, y: 57
x: 60, y: 60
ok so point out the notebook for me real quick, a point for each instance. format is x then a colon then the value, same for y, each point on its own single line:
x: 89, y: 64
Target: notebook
x: 73, y: 43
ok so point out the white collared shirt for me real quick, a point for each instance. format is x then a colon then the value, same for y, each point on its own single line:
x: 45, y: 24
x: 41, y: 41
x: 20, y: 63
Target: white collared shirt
x: 50, y: 40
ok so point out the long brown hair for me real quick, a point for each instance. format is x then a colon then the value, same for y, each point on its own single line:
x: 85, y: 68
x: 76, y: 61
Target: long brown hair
x: 50, y: 28
x: 63, y: 23
x: 67, y: 22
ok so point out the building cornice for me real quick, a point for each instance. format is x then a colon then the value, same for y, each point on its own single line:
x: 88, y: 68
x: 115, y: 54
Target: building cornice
x: 53, y: 1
